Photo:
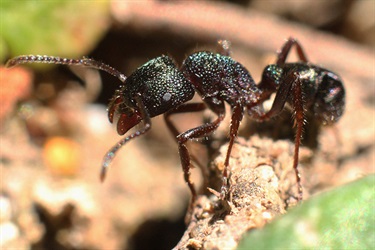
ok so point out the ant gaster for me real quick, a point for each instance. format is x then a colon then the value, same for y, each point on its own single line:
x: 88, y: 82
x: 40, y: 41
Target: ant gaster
x: 159, y: 87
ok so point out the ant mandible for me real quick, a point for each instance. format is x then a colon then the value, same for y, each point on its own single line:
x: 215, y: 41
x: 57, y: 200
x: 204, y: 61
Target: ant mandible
x: 159, y: 87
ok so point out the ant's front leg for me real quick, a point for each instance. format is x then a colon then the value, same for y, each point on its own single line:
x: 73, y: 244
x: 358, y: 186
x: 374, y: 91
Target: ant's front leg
x: 195, y: 133
x: 186, y: 108
x: 284, y: 52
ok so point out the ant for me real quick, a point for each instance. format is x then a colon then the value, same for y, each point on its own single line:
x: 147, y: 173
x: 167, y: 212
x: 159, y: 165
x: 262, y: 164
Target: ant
x: 160, y: 87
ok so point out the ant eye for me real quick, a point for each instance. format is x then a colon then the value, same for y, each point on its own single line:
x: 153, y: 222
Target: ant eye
x: 167, y: 97
x: 330, y: 103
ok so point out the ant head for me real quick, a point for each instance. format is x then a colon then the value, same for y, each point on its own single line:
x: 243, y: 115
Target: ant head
x: 330, y: 99
x: 158, y: 84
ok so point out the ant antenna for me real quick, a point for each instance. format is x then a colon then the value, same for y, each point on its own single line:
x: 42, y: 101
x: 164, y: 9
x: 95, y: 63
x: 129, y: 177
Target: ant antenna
x: 87, y: 62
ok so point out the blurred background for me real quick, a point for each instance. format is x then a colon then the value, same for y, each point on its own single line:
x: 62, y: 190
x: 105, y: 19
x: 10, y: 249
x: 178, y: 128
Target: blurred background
x: 54, y: 129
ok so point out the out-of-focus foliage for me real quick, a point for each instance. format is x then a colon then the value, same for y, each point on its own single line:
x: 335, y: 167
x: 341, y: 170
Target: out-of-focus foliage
x: 343, y: 218
x: 58, y: 27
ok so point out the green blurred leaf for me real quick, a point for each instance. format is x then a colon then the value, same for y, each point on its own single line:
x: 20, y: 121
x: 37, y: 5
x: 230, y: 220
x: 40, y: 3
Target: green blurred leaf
x: 343, y: 218
x: 58, y: 27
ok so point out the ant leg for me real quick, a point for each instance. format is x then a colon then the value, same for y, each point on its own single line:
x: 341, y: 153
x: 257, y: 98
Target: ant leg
x: 111, y: 153
x: 291, y: 85
x: 281, y: 97
x: 186, y: 108
x: 194, y: 133
x: 283, y: 53
x: 299, y: 122
x: 237, y: 115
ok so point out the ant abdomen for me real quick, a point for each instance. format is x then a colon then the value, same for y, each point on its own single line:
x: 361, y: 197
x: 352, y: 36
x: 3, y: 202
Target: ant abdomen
x: 329, y: 104
x: 323, y: 90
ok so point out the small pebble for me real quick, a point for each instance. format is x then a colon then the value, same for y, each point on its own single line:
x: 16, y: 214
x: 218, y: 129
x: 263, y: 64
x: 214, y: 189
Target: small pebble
x: 8, y: 231
x: 62, y: 156
x: 5, y: 209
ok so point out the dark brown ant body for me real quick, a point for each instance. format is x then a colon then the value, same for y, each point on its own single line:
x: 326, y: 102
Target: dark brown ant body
x: 159, y: 87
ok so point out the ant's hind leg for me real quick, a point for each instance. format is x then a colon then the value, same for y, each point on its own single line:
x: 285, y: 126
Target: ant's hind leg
x: 291, y: 86
x: 284, y: 51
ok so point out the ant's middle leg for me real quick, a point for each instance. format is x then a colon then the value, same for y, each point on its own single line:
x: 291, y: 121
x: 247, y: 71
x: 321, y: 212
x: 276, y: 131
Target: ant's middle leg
x: 237, y: 115
x: 284, y: 52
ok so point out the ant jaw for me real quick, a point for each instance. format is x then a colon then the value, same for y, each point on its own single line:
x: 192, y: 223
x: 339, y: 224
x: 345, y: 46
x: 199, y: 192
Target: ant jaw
x: 113, y: 105
x: 128, y: 118
x: 128, y: 121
